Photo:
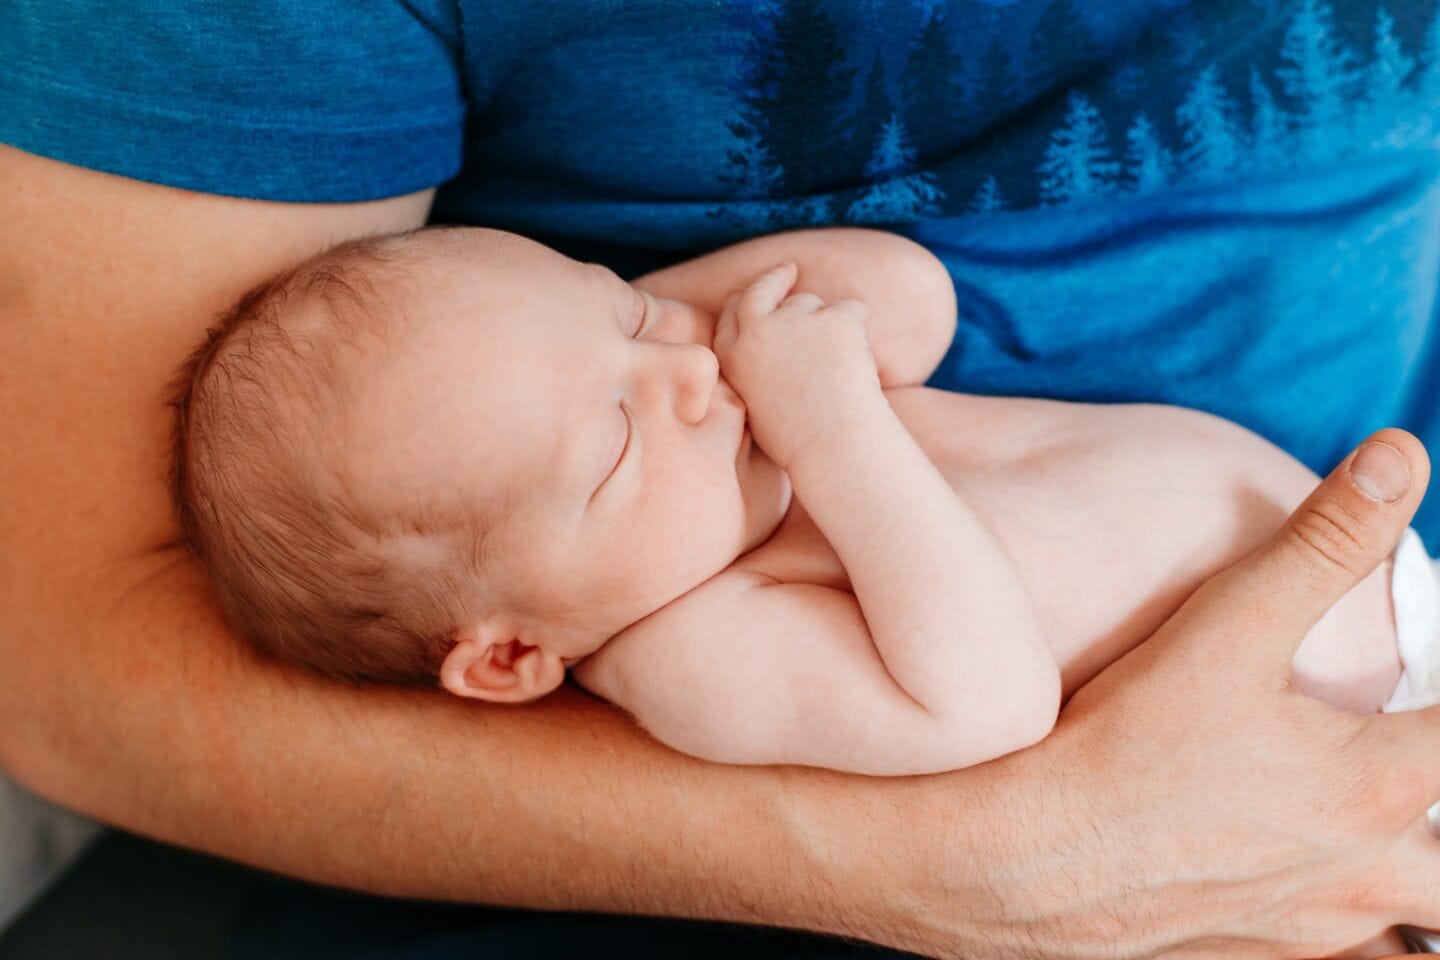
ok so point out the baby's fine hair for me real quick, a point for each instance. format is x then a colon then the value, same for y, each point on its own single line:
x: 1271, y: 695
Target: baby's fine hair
x: 307, y: 562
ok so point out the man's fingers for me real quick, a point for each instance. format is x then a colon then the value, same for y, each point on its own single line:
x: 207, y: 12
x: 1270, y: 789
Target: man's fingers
x: 1411, y: 743
x: 1336, y: 538
x: 1416, y: 890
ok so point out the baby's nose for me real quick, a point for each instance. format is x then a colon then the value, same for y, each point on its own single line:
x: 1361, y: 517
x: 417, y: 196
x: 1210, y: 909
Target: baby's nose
x: 696, y: 372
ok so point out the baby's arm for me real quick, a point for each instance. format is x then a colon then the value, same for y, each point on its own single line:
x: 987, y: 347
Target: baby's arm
x: 937, y: 661
x: 910, y: 293
x: 747, y: 670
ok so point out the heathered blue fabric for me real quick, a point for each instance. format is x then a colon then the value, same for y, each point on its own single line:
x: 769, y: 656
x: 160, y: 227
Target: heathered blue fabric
x: 326, y: 101
x: 1231, y: 205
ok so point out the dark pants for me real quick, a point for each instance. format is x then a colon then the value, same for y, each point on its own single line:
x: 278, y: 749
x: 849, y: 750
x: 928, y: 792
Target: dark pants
x: 129, y: 897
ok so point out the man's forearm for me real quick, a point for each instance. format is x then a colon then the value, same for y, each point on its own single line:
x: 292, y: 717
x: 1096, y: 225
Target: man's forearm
x: 123, y: 696
x: 563, y: 804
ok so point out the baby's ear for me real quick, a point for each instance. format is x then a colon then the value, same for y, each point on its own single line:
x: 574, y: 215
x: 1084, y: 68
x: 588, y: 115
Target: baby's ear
x: 500, y: 669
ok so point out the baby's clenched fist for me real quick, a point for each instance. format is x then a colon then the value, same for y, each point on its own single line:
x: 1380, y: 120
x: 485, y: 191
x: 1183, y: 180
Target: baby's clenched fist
x: 797, y: 362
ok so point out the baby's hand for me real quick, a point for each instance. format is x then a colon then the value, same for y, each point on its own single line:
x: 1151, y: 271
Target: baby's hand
x: 800, y: 365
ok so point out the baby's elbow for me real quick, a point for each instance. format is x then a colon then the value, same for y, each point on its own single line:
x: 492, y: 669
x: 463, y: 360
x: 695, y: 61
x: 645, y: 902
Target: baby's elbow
x: 931, y: 314
x: 908, y: 277
x: 927, y: 280
x: 1023, y: 713
x: 1003, y: 719
x: 1036, y: 709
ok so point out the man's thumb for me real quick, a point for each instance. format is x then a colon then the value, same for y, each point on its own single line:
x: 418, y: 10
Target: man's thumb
x: 1335, y: 539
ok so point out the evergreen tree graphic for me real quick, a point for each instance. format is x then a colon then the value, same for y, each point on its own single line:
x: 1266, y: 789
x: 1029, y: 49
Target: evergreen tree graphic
x: 1269, y: 132
x: 1172, y: 36
x: 1206, y: 117
x: 894, y: 193
x: 1387, y: 102
x: 1128, y: 80
x: 1187, y: 39
x: 874, y: 13
x: 1077, y: 162
x: 989, y: 199
x: 1411, y: 19
x: 997, y: 93
x: 1319, y: 76
x: 1061, y: 47
x: 892, y: 156
x: 749, y: 171
x: 1428, y: 92
x: 790, y: 92
x: 933, y: 90
x: 876, y: 109
x: 1149, y: 164
x: 1266, y: 7
x: 1355, y: 26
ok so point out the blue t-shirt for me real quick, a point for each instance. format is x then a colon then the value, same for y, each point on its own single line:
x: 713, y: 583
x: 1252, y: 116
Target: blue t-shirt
x: 1232, y: 205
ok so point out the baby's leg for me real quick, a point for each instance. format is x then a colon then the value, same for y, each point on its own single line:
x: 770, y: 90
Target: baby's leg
x: 1350, y: 659
x: 1386, y: 630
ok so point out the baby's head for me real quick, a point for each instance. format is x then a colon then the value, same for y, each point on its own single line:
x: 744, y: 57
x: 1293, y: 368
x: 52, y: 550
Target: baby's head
x: 455, y: 455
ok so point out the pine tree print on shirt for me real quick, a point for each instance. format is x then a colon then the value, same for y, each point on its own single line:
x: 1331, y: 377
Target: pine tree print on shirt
x: 932, y: 88
x: 1149, y: 164
x: 791, y: 89
x: 1094, y: 102
x: 1077, y: 163
x: 1210, y: 119
x: 894, y: 195
x: 1321, y: 77
x: 1384, y: 86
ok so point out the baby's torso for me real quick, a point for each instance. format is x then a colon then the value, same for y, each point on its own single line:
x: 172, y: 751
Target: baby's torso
x: 1112, y: 514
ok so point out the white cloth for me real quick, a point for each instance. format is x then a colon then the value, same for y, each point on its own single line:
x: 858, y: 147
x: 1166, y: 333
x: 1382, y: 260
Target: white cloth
x: 1415, y: 591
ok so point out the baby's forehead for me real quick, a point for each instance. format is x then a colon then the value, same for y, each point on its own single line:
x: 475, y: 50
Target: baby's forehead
x: 442, y: 404
x: 471, y: 377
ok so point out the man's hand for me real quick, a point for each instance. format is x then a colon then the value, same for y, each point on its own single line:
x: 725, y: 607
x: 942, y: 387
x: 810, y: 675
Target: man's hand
x: 1199, y: 805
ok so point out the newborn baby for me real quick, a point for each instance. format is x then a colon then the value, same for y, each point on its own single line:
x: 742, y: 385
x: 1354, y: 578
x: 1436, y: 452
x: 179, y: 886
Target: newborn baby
x: 456, y: 455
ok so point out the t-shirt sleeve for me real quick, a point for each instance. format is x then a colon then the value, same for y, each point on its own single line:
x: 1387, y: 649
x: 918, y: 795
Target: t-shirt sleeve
x: 298, y: 100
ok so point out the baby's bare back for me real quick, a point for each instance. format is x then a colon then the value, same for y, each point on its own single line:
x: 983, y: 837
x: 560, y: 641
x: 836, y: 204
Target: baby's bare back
x: 1113, y: 514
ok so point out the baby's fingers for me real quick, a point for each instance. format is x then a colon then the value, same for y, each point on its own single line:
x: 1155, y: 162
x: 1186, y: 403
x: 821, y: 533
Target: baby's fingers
x: 855, y: 308
x: 764, y: 295
x: 803, y: 301
x: 725, y: 323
